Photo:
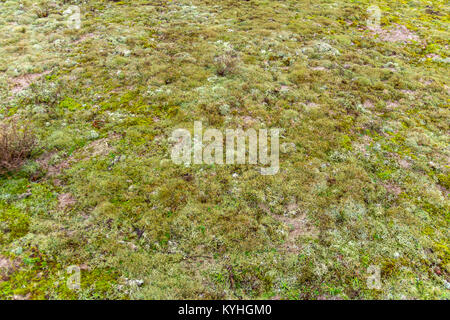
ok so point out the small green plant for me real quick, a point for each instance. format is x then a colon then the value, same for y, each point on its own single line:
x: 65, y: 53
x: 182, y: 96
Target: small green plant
x: 13, y: 224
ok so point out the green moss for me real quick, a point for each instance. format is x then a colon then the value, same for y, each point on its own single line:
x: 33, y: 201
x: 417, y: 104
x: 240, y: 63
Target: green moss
x: 444, y: 180
x: 39, y: 277
x: 13, y: 223
x: 70, y: 104
x: 346, y: 142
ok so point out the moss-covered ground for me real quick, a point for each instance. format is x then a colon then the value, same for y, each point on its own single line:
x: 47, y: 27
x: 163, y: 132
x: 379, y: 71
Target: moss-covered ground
x: 364, y: 182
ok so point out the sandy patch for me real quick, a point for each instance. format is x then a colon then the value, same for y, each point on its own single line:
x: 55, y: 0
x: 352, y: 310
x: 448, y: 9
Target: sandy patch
x: 23, y: 82
x: 297, y: 224
x: 84, y: 37
x: 65, y: 201
x: 398, y: 34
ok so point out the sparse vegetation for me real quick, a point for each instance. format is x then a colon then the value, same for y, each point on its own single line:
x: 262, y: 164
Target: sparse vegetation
x: 364, y: 172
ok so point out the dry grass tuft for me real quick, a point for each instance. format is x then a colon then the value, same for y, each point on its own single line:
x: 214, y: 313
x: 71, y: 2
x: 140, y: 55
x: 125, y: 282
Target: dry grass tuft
x: 16, y: 145
x: 226, y: 64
